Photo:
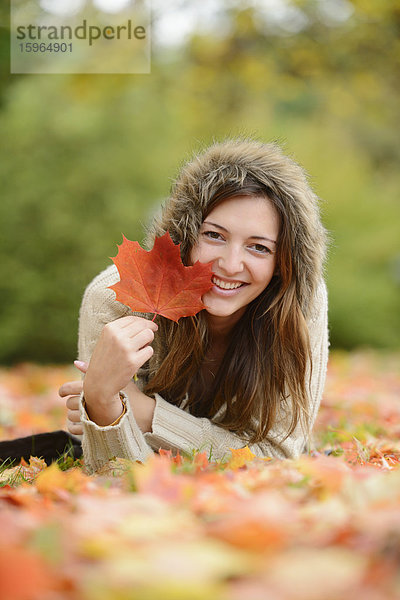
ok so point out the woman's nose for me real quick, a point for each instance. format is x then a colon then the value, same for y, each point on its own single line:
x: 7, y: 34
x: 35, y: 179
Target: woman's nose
x: 231, y: 260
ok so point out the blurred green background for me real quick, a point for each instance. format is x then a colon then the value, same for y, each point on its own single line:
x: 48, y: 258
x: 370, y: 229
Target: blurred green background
x: 86, y: 157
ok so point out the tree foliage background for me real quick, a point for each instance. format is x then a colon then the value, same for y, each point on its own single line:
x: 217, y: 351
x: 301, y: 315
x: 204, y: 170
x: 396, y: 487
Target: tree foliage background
x: 86, y: 157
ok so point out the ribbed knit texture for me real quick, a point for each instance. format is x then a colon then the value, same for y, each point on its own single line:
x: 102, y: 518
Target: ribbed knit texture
x: 172, y: 427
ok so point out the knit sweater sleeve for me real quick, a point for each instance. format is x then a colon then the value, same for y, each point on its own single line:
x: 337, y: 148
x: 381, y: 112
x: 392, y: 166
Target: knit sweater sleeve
x: 125, y: 440
x: 172, y: 427
x: 98, y: 308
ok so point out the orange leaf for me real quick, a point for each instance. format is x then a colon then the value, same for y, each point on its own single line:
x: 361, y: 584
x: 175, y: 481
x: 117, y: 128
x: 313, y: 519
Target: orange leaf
x: 175, y: 460
x: 23, y: 575
x: 201, y: 460
x: 52, y: 481
x: 157, y: 281
x: 240, y: 457
x: 327, y: 474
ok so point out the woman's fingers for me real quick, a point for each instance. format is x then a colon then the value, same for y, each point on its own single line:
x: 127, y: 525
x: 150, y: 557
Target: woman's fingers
x: 74, y: 424
x: 74, y: 428
x: 144, y: 354
x: 130, y: 325
x: 82, y: 366
x: 143, y: 325
x: 73, y: 403
x: 138, y: 321
x: 142, y: 339
x: 70, y: 388
x: 74, y: 416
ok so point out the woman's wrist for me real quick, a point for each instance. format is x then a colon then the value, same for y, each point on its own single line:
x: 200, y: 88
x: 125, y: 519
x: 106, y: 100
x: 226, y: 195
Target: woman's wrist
x: 98, y: 394
x: 104, y: 413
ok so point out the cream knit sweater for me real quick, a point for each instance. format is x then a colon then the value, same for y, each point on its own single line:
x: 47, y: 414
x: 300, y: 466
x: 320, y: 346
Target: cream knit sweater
x: 172, y: 427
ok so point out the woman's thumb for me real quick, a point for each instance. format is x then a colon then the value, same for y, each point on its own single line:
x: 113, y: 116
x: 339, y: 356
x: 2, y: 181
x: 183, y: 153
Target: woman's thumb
x: 82, y: 366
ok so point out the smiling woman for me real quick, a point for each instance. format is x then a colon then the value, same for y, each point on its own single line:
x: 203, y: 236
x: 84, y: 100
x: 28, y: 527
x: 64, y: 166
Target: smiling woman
x: 249, y: 368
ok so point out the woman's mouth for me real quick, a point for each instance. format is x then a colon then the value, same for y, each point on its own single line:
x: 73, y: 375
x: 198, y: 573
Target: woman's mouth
x: 226, y: 286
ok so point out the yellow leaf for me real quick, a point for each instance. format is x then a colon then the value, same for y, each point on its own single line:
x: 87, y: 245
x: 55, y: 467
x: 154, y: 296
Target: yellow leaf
x: 53, y: 480
x: 240, y: 457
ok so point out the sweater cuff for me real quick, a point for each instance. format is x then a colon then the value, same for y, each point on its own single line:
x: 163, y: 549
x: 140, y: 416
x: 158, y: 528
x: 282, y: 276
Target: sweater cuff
x: 122, y: 396
x: 100, y: 444
x: 174, y: 428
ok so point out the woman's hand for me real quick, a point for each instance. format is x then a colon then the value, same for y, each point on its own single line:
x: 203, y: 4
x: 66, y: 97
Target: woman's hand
x: 123, y: 347
x: 72, y: 391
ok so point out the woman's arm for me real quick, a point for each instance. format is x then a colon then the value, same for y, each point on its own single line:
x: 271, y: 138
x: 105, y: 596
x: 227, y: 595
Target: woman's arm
x: 102, y: 440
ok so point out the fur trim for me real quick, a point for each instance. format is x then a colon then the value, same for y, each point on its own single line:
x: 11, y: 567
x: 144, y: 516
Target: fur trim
x: 230, y: 162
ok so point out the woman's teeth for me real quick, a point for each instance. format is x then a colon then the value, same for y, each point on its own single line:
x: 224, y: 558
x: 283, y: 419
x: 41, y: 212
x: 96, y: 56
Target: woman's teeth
x: 224, y: 285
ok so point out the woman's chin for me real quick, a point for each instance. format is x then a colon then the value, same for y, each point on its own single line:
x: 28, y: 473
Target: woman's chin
x: 224, y: 313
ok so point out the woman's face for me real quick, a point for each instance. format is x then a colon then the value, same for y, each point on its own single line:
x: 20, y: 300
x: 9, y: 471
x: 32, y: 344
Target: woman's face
x: 239, y: 237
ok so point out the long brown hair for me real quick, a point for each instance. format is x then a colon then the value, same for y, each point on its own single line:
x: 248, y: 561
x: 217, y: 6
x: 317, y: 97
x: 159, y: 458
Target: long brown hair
x: 265, y: 371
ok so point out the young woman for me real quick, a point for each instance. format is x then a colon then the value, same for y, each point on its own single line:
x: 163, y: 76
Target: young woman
x: 248, y: 369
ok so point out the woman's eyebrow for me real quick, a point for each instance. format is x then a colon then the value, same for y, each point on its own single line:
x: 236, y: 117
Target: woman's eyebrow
x: 252, y: 237
x: 258, y: 237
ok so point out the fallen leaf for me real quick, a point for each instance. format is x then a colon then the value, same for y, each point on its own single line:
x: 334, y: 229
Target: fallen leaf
x: 23, y: 575
x: 259, y: 523
x: 52, y: 481
x: 326, y: 474
x: 23, y: 472
x: 312, y: 574
x: 175, y: 459
x: 201, y: 460
x: 157, y: 282
x: 240, y: 457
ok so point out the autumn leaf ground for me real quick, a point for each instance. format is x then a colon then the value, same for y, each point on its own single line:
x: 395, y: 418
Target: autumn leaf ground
x: 326, y: 526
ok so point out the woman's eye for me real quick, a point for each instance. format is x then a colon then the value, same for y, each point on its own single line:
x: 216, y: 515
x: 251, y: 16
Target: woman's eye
x: 261, y: 249
x: 213, y: 235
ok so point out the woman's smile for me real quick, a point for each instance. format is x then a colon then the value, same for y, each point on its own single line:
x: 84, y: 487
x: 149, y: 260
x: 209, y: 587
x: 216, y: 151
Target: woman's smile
x: 226, y: 287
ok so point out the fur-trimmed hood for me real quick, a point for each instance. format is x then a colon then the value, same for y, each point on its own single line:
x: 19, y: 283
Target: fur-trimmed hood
x: 230, y: 162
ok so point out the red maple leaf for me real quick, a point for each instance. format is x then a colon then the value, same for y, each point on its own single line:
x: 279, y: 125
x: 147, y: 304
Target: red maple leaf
x: 156, y: 281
